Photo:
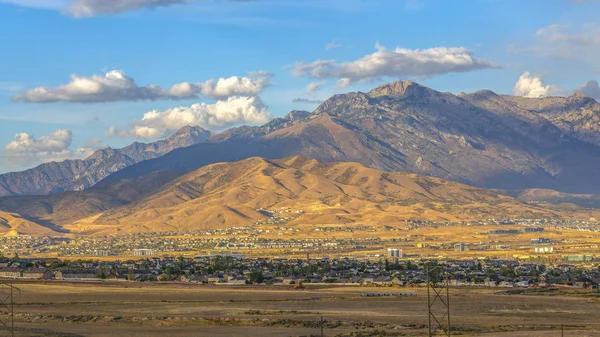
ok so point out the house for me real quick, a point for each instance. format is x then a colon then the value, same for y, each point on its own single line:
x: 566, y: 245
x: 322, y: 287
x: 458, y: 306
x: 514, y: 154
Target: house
x: 37, y: 274
x: 237, y: 280
x: 288, y: 280
x: 75, y: 274
x: 190, y: 278
x: 210, y: 279
x: 382, y: 280
x: 523, y: 284
x: 10, y: 272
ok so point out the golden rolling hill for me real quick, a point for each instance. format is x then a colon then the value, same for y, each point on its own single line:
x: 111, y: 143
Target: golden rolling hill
x: 239, y: 193
x: 231, y: 194
x: 12, y: 224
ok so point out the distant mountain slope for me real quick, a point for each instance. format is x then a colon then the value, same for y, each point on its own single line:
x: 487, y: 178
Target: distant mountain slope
x: 576, y: 115
x: 554, y: 197
x: 231, y: 194
x: 76, y: 175
x: 12, y: 224
x: 482, y: 139
x: 67, y: 207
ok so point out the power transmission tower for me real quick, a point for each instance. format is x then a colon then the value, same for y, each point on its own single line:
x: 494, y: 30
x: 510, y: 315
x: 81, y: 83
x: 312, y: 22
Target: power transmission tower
x: 7, y: 313
x: 438, y: 301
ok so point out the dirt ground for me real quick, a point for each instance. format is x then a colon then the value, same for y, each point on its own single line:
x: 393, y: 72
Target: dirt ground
x: 136, y: 309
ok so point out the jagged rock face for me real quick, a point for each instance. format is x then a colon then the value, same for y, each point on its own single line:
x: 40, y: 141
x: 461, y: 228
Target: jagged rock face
x: 76, y: 175
x: 577, y: 116
x: 482, y: 139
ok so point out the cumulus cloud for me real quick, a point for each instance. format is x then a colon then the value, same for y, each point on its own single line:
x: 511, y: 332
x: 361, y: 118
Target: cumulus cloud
x: 115, y: 85
x: 89, y: 8
x: 306, y: 101
x: 26, y: 150
x: 590, y: 89
x: 234, y: 110
x: 532, y: 86
x: 224, y: 87
x: 399, y: 62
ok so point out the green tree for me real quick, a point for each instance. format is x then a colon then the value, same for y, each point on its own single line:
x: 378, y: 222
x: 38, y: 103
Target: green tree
x: 181, y: 262
x: 256, y: 276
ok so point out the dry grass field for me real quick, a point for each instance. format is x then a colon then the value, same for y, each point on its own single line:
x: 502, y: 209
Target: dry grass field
x: 134, y: 309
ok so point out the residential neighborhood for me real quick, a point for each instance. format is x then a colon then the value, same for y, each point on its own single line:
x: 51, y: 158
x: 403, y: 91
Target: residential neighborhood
x: 237, y: 270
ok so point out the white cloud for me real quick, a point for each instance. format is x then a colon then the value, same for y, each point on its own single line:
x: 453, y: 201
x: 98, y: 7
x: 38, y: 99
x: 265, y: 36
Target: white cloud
x: 590, y: 89
x: 234, y: 110
x: 26, y: 150
x: 399, y: 62
x: 532, y: 86
x: 224, y: 87
x: 89, y: 8
x: 313, y: 87
x: 115, y: 85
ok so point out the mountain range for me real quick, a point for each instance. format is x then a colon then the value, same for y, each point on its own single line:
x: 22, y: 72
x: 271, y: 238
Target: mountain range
x: 482, y: 139
x: 533, y: 149
x: 77, y: 175
x: 241, y: 193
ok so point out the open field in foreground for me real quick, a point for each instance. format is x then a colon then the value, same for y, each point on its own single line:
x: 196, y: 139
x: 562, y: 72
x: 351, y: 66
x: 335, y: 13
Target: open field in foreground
x: 134, y: 309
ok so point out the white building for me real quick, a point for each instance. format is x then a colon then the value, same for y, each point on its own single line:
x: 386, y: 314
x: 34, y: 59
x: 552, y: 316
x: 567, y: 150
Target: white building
x: 544, y: 249
x: 395, y: 253
x: 143, y: 252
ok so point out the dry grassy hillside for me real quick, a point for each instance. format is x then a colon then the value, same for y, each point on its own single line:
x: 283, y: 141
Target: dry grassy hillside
x: 67, y: 207
x: 14, y: 224
x: 230, y: 194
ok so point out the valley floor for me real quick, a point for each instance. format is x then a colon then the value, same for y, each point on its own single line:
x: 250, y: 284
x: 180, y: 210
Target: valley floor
x: 137, y: 309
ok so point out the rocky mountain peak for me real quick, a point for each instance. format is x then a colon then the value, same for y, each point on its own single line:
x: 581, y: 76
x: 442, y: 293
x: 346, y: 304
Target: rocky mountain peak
x: 189, y: 135
x: 102, y: 154
x: 401, y: 89
x: 295, y: 115
x: 480, y: 95
x: 581, y: 99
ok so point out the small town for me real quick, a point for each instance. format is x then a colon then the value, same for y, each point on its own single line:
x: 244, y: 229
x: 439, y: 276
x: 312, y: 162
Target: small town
x: 235, y: 269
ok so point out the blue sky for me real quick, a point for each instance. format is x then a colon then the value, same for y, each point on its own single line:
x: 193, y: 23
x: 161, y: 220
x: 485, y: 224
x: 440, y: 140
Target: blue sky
x: 266, y: 52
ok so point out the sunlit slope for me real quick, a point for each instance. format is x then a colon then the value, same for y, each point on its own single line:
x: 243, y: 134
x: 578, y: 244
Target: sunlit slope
x: 231, y: 194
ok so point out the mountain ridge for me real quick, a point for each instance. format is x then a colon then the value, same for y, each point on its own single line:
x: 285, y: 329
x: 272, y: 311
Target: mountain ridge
x: 483, y: 138
x: 75, y: 175
x: 230, y: 194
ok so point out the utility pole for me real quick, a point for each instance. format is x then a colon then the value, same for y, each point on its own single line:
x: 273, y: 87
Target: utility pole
x: 438, y: 301
x: 322, y: 327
